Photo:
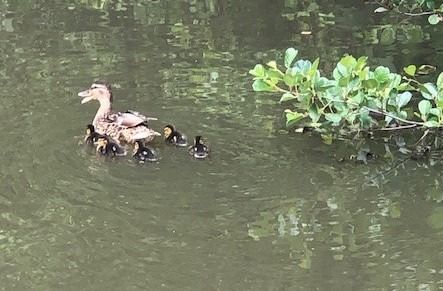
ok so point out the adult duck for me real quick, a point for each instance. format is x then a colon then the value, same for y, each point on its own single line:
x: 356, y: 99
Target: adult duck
x: 126, y: 126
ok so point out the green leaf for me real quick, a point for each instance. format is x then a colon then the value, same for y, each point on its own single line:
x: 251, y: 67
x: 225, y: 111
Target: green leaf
x: 287, y: 96
x: 365, y: 119
x: 303, y: 66
x: 364, y: 73
x: 424, y: 106
x: 274, y: 74
x: 258, y: 71
x: 272, y: 64
x: 313, y: 113
x: 431, y: 89
x: 354, y: 84
x: 370, y: 83
x: 336, y: 74
x: 439, y: 102
x: 430, y: 4
x: 358, y: 98
x: 431, y: 123
x: 344, y: 81
x: 403, y: 114
x: 410, y: 70
x: 342, y: 70
x: 395, y: 81
x: 440, y: 81
x: 322, y: 84
x: 381, y: 74
x: 290, y: 55
x: 433, y: 19
x: 361, y: 63
x: 314, y: 67
x: 292, y: 117
x: 333, y: 117
x: 349, y: 62
x: 435, y: 111
x: 290, y: 80
x: 260, y: 85
x: 403, y: 99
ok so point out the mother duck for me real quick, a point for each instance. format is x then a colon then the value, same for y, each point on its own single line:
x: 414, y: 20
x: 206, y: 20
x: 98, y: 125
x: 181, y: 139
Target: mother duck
x: 126, y: 126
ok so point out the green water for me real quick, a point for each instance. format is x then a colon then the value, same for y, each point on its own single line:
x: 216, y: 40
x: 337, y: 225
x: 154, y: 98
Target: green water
x: 267, y: 211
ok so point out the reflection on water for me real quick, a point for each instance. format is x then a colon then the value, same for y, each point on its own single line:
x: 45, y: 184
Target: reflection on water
x: 267, y: 211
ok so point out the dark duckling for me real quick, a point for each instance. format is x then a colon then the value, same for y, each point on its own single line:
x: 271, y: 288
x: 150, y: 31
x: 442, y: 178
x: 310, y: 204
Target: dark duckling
x: 107, y: 147
x: 174, y: 137
x: 198, y: 150
x: 91, y: 135
x: 143, y: 154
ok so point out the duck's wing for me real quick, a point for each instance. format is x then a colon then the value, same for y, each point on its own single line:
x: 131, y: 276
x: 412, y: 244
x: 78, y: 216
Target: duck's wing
x: 131, y: 118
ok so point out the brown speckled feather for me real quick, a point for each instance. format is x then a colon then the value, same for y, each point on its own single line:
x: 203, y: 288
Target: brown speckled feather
x: 121, y: 126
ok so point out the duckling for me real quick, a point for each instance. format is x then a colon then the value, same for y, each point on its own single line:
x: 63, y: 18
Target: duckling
x: 107, y: 147
x: 174, y: 137
x: 91, y: 135
x: 198, y: 150
x: 142, y: 153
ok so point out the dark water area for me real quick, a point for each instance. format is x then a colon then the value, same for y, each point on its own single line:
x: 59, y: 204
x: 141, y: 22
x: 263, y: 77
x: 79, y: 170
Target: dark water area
x: 270, y: 210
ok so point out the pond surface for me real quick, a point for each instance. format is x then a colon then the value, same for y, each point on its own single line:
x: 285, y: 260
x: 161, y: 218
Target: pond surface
x: 268, y: 211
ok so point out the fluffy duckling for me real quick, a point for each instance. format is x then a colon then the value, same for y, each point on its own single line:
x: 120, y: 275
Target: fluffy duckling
x: 91, y: 135
x: 143, y: 154
x: 108, y: 147
x: 198, y: 150
x: 174, y: 137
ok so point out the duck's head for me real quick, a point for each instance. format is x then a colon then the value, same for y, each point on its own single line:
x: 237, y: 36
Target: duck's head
x: 99, y: 90
x: 168, y: 130
x: 90, y: 129
x: 101, y: 143
x: 198, y: 139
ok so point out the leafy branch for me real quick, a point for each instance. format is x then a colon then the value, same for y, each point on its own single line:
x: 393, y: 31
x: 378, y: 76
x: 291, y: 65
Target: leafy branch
x: 413, y: 7
x: 355, y: 99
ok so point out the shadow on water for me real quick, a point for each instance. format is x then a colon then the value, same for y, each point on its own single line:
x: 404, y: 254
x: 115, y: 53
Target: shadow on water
x: 268, y: 211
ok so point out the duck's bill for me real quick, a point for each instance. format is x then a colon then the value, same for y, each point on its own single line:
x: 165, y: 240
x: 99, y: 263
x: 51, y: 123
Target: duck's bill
x: 86, y: 96
x: 86, y: 99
